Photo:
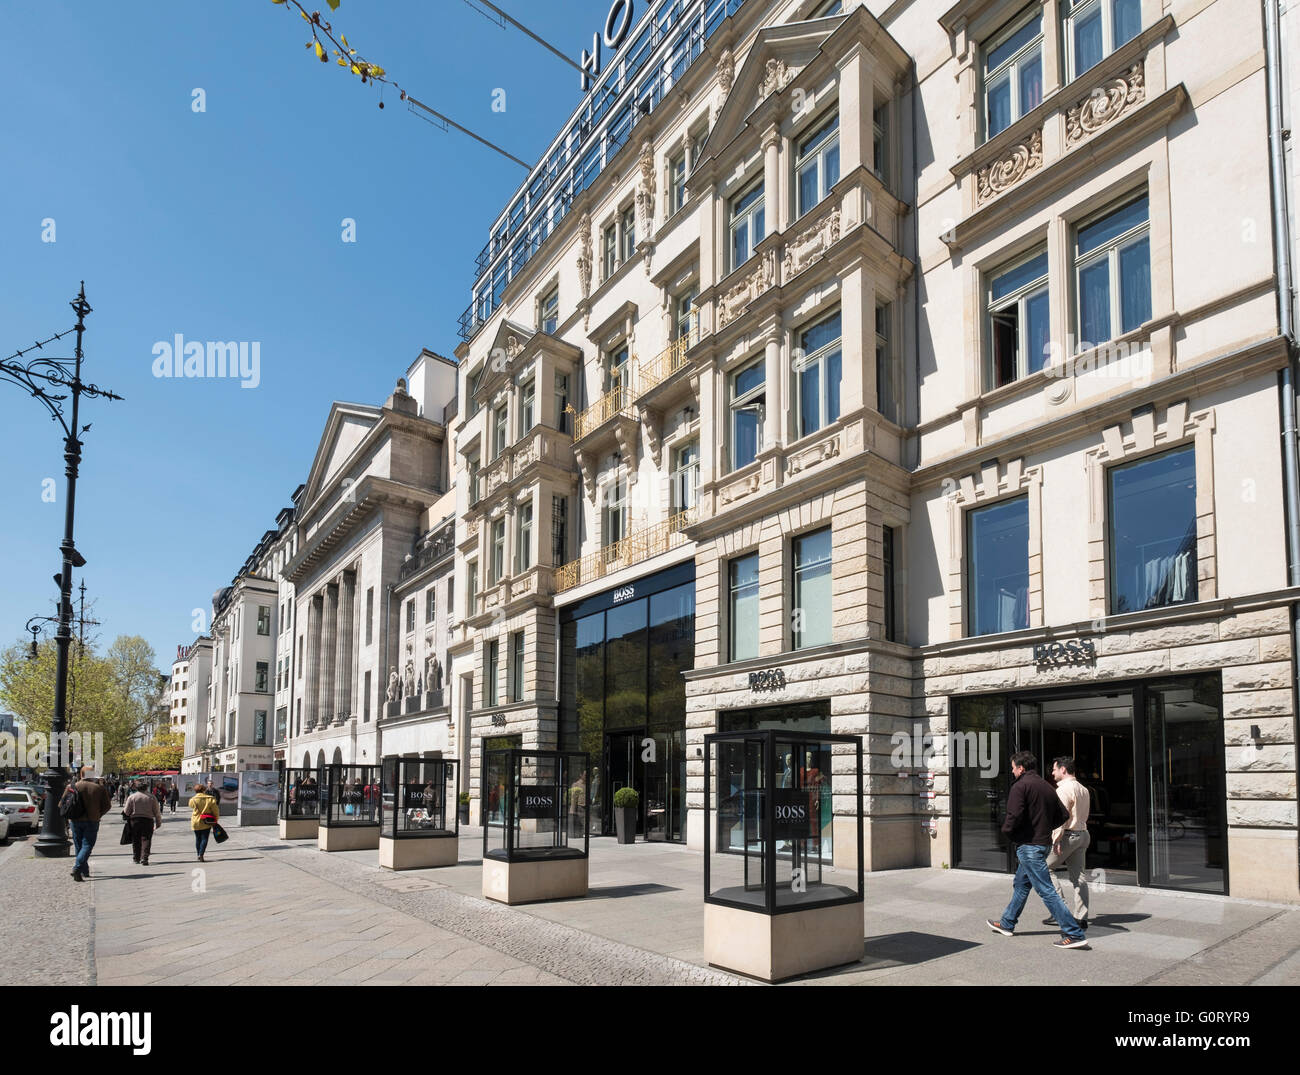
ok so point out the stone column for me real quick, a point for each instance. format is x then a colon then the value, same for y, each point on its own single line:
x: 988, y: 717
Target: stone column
x: 312, y: 671
x: 329, y: 652
x: 343, y: 661
x: 774, y: 415
x: 774, y: 214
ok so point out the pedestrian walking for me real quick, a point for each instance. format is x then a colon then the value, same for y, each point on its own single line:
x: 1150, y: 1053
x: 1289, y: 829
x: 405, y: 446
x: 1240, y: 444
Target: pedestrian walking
x: 1070, y: 842
x: 173, y: 797
x: 144, y: 815
x: 95, y: 803
x: 1033, y: 812
x: 203, y: 814
x: 121, y: 794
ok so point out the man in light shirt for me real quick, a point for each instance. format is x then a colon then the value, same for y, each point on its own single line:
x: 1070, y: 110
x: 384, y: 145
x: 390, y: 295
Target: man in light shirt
x: 1070, y: 842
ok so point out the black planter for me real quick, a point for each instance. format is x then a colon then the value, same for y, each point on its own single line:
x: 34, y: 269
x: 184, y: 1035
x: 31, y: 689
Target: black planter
x: 462, y: 809
x: 625, y: 824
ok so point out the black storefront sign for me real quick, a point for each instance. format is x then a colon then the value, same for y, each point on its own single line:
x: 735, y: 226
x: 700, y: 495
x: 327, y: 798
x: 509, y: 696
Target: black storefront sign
x: 798, y: 814
x: 537, y: 800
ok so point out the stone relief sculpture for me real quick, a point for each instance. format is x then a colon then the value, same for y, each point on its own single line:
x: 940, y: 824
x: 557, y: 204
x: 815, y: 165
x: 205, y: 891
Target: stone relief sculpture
x: 410, y: 679
x: 726, y: 71
x: 584, y: 255
x: 645, y: 194
x: 1106, y: 103
x: 1018, y: 162
x: 394, y: 686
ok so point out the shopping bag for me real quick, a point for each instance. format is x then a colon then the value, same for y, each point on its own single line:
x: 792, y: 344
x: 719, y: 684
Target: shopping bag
x: 126, y: 831
x: 219, y: 834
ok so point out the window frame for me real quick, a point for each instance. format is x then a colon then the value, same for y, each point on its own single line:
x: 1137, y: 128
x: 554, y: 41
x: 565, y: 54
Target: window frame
x: 795, y: 572
x: 684, y: 479
x: 819, y: 359
x: 753, y: 399
x: 968, y: 582
x: 549, y: 312
x: 1073, y: 14
x: 1017, y: 298
x: 500, y: 431
x: 497, y: 546
x: 1011, y: 66
x: 491, y: 673
x: 627, y: 234
x: 527, y: 404
x: 677, y: 176
x: 614, y: 508
x: 738, y: 218
x: 732, y: 590
x: 1110, y: 251
x: 516, y: 657
x: 809, y: 150
x: 523, y: 537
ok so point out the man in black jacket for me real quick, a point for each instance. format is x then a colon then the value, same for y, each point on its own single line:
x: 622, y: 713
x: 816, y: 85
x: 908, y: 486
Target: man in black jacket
x: 1033, y: 811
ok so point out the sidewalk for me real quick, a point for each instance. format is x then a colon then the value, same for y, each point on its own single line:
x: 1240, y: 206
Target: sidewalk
x: 263, y: 911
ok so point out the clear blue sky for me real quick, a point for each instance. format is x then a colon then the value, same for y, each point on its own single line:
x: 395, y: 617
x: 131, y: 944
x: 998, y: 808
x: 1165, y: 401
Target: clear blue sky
x: 226, y: 225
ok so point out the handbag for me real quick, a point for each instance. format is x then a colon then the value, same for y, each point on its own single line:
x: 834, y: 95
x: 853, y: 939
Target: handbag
x: 219, y: 834
x: 126, y: 831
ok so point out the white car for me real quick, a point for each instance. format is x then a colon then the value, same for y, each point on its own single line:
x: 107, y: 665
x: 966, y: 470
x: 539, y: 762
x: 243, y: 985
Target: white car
x: 21, y: 809
x: 4, y: 828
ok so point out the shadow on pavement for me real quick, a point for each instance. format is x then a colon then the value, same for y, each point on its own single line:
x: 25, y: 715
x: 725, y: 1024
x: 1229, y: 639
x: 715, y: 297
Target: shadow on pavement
x: 618, y: 892
x: 907, y: 949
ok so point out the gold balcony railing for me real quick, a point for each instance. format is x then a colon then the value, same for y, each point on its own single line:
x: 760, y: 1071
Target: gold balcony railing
x: 667, y: 362
x: 617, y: 401
x: 633, y: 549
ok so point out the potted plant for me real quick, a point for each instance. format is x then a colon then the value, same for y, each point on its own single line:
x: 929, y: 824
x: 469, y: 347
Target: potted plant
x: 626, y: 801
x: 463, y: 809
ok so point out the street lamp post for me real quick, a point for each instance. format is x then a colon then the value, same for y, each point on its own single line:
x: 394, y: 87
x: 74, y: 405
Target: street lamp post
x: 43, y: 377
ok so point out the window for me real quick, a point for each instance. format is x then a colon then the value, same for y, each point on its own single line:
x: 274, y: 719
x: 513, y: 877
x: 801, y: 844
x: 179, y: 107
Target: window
x: 743, y: 620
x: 746, y: 224
x: 297, y: 716
x: 817, y: 374
x: 471, y: 587
x: 997, y: 567
x: 614, y: 526
x: 475, y: 481
x: 748, y: 406
x: 517, y: 666
x: 1112, y: 265
x: 1018, y: 326
x: 430, y: 604
x: 550, y: 313
x: 524, y: 538
x: 261, y: 676
x: 499, y: 427
x: 559, y: 530
x: 300, y: 645
x: 410, y: 614
x: 527, y: 405
x: 616, y: 367
x: 817, y: 165
x: 610, y: 247
x: 263, y: 619
x: 676, y: 183
x: 490, y: 676
x: 627, y: 229
x: 1096, y: 28
x: 259, y: 728
x: 685, y: 476
x: 812, y: 590
x: 886, y: 388
x: 880, y: 140
x: 498, y: 550
x: 832, y: 7
x: 365, y: 701
x: 684, y: 315
x: 888, y: 537
x: 1013, y: 74
x: 1152, y: 523
x: 562, y: 402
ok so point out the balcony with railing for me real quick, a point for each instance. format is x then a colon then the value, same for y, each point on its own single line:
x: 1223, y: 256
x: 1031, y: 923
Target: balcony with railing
x: 612, y: 404
x: 633, y: 549
x: 672, y: 359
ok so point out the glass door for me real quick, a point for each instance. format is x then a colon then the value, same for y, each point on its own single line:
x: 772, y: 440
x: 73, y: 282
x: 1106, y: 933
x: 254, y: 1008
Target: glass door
x: 623, y: 770
x: 665, y: 787
x: 980, y: 800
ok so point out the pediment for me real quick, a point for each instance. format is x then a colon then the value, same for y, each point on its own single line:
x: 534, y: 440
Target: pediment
x: 778, y: 55
x: 347, y: 426
x: 508, y: 343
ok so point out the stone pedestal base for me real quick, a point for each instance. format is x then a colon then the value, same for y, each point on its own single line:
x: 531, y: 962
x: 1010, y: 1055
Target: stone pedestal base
x: 529, y: 882
x: 347, y: 837
x: 299, y: 828
x: 416, y: 853
x: 773, y: 947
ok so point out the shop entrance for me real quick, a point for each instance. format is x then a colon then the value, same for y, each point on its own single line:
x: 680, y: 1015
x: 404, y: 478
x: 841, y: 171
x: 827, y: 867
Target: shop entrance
x: 1151, y: 756
x: 654, y: 764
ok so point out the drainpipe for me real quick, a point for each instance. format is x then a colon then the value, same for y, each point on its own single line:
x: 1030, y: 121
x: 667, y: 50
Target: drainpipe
x: 1277, y: 138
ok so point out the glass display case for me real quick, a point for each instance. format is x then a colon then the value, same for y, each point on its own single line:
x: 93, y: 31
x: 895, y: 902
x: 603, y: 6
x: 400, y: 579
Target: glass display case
x: 535, y: 832
x: 771, y: 847
x: 349, y: 808
x: 419, y: 826
x: 299, y: 804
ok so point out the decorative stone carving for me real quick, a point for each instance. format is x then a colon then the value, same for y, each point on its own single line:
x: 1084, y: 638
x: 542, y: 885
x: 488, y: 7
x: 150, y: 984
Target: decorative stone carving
x: 645, y: 192
x: 740, y: 489
x: 584, y: 255
x: 394, y: 686
x: 513, y: 346
x: 734, y: 302
x: 726, y: 71
x: 808, y: 244
x: 1018, y: 162
x: 410, y: 679
x: 820, y: 453
x: 776, y: 77
x: 1105, y: 103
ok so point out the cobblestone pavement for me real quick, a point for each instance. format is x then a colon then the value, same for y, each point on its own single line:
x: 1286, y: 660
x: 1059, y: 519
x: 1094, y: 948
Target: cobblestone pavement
x: 265, y: 911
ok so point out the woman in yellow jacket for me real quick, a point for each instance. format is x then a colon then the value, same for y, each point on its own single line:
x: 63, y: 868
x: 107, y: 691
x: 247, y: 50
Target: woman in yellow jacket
x: 204, y: 811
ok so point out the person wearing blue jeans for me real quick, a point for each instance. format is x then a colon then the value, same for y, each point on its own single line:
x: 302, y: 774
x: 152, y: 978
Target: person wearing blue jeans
x: 201, y: 840
x: 1033, y: 811
x: 84, y: 835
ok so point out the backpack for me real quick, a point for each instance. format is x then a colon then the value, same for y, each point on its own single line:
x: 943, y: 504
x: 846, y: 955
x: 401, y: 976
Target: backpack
x: 72, y: 807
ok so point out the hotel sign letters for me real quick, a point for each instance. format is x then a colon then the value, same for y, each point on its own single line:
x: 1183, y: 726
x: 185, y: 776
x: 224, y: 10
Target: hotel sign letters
x: 617, y: 23
x: 1076, y: 651
x: 770, y: 679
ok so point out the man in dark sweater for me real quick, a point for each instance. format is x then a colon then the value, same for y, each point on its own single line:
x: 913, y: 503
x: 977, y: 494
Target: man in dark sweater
x: 85, y: 830
x: 1033, y: 811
